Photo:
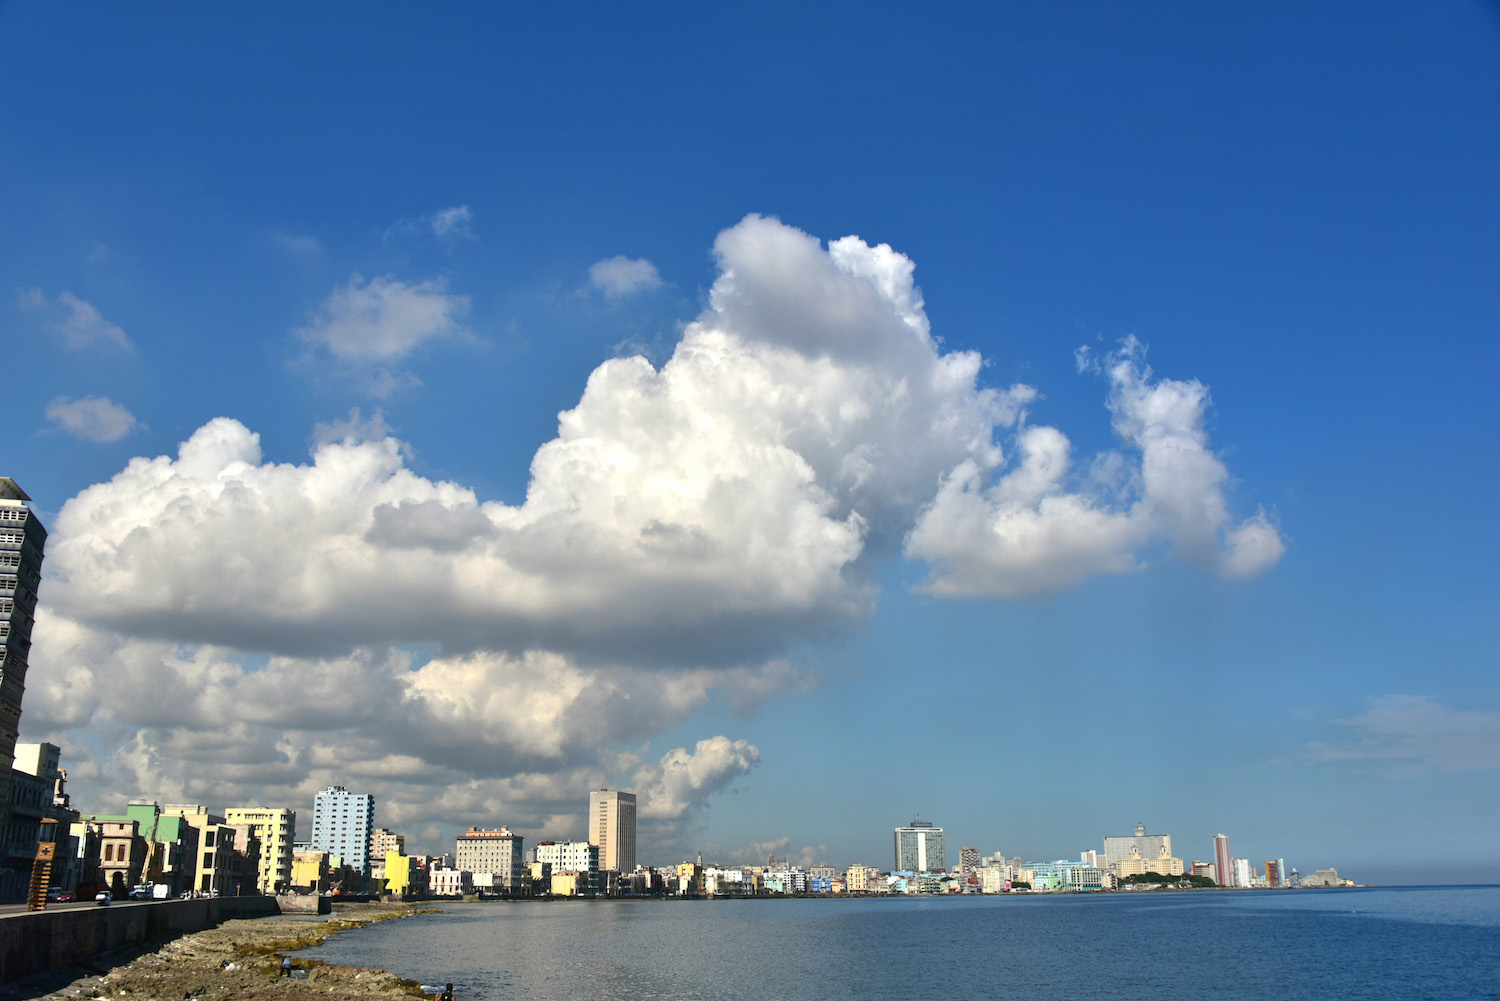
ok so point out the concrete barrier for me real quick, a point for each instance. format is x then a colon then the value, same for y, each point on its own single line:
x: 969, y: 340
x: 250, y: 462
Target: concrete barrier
x: 45, y: 940
x: 304, y: 903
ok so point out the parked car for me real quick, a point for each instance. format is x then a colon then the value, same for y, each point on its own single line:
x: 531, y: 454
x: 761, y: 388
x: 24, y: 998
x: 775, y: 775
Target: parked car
x: 102, y: 898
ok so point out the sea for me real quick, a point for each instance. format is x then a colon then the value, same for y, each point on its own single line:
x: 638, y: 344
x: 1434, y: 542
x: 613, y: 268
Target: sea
x: 1346, y: 944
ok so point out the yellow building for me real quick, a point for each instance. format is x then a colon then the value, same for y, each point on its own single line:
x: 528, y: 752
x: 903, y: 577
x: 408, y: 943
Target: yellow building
x: 1134, y: 864
x: 310, y: 871
x: 273, y: 829
x: 405, y: 875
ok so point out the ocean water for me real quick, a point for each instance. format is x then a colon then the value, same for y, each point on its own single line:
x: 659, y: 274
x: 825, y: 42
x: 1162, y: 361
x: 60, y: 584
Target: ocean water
x: 1397, y: 943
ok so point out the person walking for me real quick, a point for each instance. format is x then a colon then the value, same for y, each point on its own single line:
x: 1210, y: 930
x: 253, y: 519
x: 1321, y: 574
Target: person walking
x: 286, y: 966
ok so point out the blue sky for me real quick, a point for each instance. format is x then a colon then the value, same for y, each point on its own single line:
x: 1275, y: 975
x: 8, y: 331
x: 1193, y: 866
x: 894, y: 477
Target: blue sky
x: 418, y: 236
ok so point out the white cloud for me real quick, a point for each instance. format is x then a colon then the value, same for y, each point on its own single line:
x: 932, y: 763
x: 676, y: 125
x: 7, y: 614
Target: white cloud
x: 445, y: 225
x: 686, y: 528
x: 1037, y: 525
x: 368, y: 327
x: 1416, y: 731
x: 297, y: 244
x: 77, y: 324
x: 452, y: 222
x: 96, y: 418
x: 680, y: 783
x: 621, y: 276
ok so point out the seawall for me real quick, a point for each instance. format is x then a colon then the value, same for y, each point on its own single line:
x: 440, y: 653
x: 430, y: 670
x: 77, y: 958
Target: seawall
x: 38, y: 941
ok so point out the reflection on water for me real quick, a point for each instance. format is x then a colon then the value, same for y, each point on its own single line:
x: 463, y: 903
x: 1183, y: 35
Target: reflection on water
x: 1340, y: 944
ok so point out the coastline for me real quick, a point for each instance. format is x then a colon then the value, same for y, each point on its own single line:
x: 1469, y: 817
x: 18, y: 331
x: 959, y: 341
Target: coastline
x: 238, y: 959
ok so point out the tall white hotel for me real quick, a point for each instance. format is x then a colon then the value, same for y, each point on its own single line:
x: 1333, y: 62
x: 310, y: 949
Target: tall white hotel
x: 919, y: 848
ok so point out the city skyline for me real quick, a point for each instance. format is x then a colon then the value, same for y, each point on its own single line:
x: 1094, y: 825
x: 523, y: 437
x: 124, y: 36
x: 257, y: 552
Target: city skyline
x: 476, y: 411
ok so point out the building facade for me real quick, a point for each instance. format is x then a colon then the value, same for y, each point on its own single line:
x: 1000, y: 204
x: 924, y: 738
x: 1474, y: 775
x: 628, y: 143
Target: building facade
x: 612, y: 828
x: 492, y: 850
x: 1119, y: 847
x: 22, y: 539
x: 273, y: 829
x: 1223, y: 861
x: 919, y: 848
x: 571, y: 856
x: 343, y: 822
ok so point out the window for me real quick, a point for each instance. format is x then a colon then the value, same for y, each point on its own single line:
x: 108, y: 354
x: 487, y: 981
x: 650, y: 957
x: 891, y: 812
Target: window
x: 109, y: 853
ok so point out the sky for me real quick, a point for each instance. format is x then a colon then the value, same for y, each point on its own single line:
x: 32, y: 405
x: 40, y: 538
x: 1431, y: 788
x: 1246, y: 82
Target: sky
x: 1042, y: 419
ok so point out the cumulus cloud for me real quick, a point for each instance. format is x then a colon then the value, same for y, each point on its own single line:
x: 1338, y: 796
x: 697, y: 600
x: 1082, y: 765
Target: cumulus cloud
x: 688, y: 526
x: 95, y: 418
x: 620, y: 276
x: 683, y: 779
x: 77, y: 324
x: 1038, y: 524
x: 367, y: 327
x: 1416, y: 731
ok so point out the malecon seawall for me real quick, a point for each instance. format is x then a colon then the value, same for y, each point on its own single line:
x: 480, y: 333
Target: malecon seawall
x: 37, y: 941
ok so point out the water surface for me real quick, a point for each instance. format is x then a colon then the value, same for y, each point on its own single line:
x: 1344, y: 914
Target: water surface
x: 1340, y: 945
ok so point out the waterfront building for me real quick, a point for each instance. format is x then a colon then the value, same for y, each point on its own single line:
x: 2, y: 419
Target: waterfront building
x: 1135, y: 864
x: 1244, y: 873
x: 1148, y: 846
x: 273, y: 830
x: 968, y: 860
x: 310, y: 870
x: 22, y: 539
x: 169, y: 845
x: 450, y: 882
x: 863, y: 879
x: 342, y: 824
x: 919, y: 848
x: 1274, y: 870
x: 994, y: 878
x: 381, y: 841
x: 212, y: 868
x: 492, y: 850
x: 612, y: 828
x: 1223, y: 861
x: 405, y: 875
x: 571, y: 856
x: 122, y: 855
x: 1064, y: 875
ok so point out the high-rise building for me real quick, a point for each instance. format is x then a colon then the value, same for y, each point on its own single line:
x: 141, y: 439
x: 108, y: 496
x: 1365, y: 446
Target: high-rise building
x: 342, y: 824
x: 612, y: 828
x: 919, y: 848
x: 1223, y: 861
x: 968, y: 860
x: 22, y: 539
x: 1273, y: 872
x: 274, y: 830
x: 494, y: 851
x: 1117, y: 848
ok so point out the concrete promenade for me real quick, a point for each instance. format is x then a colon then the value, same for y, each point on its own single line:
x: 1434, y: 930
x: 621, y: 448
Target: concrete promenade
x: 37, y: 941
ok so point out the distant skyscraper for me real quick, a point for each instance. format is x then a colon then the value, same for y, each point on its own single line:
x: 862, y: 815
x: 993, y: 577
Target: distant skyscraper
x: 1273, y: 872
x: 22, y: 539
x: 1223, y: 861
x: 919, y: 848
x: 612, y: 828
x: 968, y: 860
x: 342, y: 824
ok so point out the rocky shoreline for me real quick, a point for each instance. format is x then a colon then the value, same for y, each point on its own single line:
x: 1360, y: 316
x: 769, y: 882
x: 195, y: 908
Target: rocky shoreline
x: 239, y: 959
